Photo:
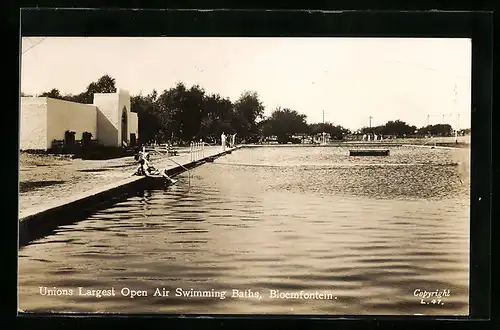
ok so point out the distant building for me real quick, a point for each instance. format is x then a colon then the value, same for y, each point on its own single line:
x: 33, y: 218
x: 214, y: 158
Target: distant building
x: 108, y: 119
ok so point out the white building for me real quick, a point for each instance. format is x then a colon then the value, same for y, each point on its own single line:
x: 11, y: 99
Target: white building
x: 109, y: 119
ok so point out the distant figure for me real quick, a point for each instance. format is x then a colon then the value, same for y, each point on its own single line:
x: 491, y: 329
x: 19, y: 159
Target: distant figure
x: 375, y: 137
x: 223, y: 141
x: 369, y: 137
x: 364, y: 137
x: 233, y: 140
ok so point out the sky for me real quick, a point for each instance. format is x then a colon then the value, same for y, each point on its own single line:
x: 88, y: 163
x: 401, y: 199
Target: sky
x: 346, y: 80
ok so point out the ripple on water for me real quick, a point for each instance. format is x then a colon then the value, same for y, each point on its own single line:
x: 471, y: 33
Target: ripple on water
x: 368, y: 231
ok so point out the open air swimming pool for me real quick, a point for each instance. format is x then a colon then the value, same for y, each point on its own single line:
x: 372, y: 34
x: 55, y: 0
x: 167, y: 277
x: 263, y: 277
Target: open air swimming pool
x: 367, y: 234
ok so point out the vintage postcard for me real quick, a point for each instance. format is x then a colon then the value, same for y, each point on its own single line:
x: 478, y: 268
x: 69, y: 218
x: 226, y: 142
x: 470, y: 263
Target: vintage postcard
x: 245, y: 175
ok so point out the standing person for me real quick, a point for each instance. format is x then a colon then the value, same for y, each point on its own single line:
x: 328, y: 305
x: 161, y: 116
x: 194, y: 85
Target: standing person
x: 223, y: 141
x: 233, y: 140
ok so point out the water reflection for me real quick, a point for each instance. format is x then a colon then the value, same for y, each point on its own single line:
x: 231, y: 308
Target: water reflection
x: 371, y: 235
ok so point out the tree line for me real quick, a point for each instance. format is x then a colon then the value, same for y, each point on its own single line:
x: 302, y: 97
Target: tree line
x: 180, y: 115
x: 399, y: 128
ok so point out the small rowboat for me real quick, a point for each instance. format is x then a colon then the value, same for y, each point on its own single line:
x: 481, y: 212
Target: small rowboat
x: 369, y: 152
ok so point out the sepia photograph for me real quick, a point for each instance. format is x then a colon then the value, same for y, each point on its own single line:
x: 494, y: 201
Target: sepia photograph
x: 245, y: 175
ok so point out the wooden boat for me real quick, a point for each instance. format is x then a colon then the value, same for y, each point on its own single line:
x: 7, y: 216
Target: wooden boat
x: 369, y: 152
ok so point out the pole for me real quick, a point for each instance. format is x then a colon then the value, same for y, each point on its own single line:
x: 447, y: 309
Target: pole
x: 323, y: 137
x: 370, y: 121
x: 455, y: 109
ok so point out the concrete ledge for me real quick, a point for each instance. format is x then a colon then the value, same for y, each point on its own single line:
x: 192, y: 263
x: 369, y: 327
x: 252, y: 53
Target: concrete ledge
x: 39, y: 221
x: 339, y: 144
x: 429, y: 146
x: 29, y: 213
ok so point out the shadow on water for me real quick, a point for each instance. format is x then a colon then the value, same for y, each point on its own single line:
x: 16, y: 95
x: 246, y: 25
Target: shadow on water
x: 40, y: 226
x: 43, y: 225
x: 32, y: 185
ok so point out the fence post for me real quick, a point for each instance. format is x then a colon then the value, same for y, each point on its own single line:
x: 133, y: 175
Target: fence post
x: 191, y: 151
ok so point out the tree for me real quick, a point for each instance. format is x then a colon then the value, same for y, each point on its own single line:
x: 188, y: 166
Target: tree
x: 191, y: 112
x: 247, y: 110
x: 399, y: 128
x: 217, y: 117
x: 147, y: 114
x: 436, y: 130
x: 286, y: 122
x: 104, y: 84
x: 374, y: 130
x: 54, y: 93
x: 337, y: 132
x: 265, y: 128
x: 465, y: 131
x: 170, y: 107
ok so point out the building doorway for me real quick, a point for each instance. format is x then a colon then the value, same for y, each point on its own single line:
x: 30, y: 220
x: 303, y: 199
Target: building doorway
x: 124, y: 127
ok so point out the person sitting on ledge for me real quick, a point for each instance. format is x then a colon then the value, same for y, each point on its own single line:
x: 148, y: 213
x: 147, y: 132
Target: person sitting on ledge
x: 145, y: 168
x: 142, y: 154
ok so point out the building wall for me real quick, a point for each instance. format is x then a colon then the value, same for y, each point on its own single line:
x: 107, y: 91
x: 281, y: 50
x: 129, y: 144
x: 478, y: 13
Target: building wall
x: 64, y: 115
x: 43, y: 120
x: 107, y: 118
x: 33, y: 123
x: 133, y: 124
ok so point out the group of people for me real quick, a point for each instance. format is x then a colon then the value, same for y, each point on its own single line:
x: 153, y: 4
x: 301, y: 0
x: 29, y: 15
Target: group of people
x: 225, y: 142
x: 367, y: 137
x: 147, y: 169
